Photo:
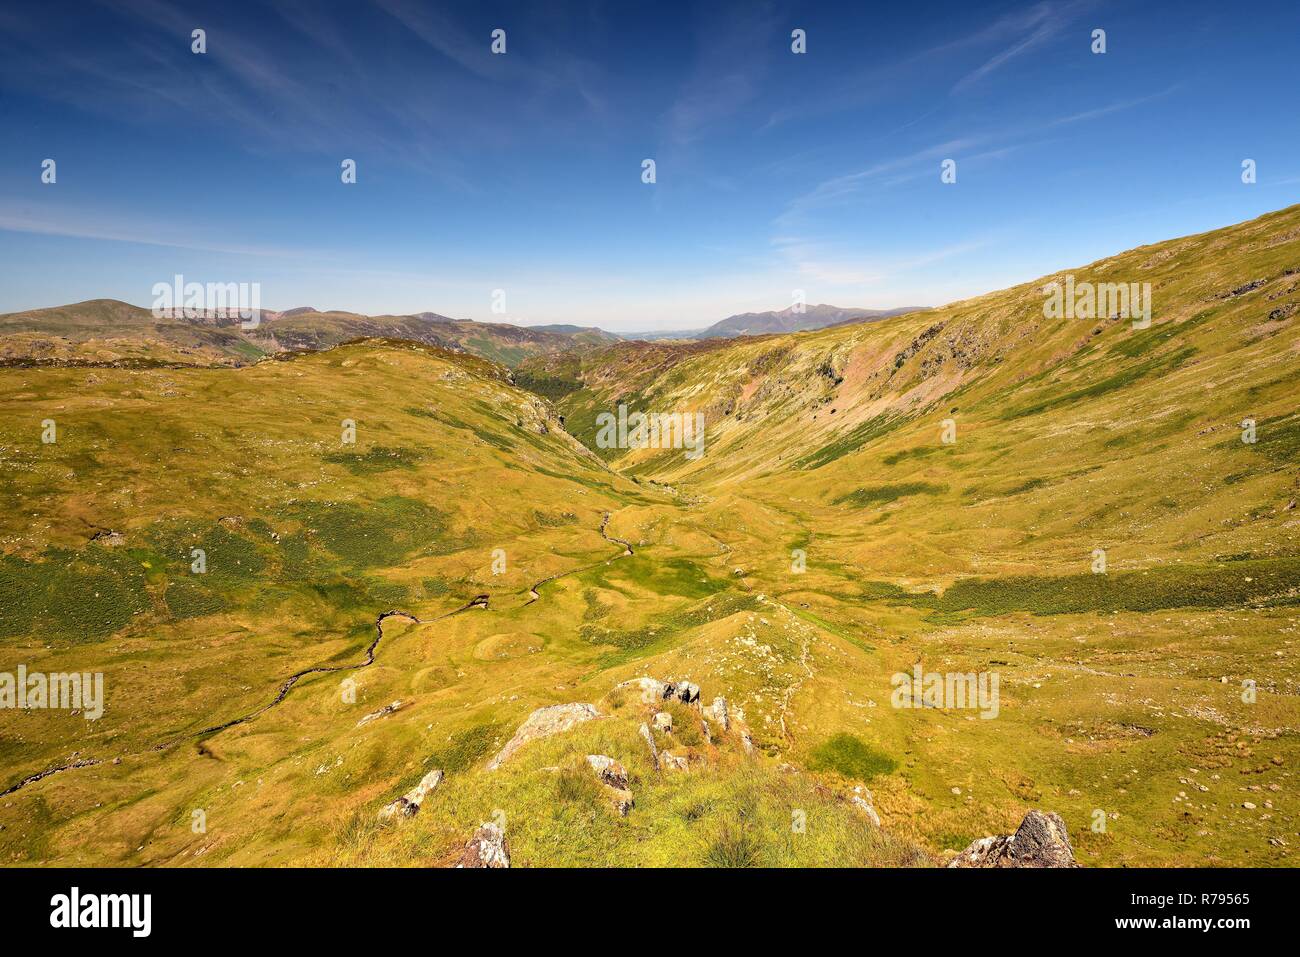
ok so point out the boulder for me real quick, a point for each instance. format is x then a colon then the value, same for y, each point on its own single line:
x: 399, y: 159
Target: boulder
x: 408, y: 805
x: 688, y: 692
x: 1040, y: 841
x: 663, y: 722
x: 543, y: 723
x: 608, y: 770
x: 487, y: 848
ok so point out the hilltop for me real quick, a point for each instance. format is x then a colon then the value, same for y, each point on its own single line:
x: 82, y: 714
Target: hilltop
x: 103, y: 331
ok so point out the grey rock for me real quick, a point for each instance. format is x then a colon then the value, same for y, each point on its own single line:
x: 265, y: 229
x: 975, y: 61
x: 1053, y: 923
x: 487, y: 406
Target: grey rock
x: 543, y: 723
x: 487, y: 848
x: 1041, y: 841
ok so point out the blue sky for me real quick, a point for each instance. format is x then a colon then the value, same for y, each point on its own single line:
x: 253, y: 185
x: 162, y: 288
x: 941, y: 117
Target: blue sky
x: 775, y: 171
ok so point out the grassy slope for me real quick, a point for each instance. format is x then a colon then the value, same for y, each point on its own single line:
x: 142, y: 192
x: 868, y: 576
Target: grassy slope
x: 1071, y: 435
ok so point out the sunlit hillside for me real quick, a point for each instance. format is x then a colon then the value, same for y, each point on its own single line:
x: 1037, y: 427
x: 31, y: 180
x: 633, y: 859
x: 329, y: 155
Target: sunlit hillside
x: 408, y: 551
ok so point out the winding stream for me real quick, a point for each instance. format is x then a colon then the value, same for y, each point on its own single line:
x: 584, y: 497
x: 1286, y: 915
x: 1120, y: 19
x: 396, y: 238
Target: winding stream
x: 479, y: 601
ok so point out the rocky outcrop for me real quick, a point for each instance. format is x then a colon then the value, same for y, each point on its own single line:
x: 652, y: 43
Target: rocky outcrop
x: 663, y: 722
x: 614, y: 776
x: 487, y: 848
x: 644, y: 731
x: 717, y: 713
x: 608, y: 770
x: 383, y: 712
x: 1040, y: 841
x: 408, y: 805
x: 543, y: 723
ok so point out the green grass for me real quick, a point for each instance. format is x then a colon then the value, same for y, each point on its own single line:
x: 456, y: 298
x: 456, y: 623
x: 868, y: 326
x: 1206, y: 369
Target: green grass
x: 378, y: 458
x: 884, y: 494
x: 1267, y: 582
x: 848, y: 755
x: 467, y: 747
x: 848, y: 443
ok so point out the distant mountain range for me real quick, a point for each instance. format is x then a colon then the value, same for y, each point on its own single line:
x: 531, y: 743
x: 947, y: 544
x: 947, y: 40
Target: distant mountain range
x: 776, y: 321
x: 106, y: 331
x: 102, y: 331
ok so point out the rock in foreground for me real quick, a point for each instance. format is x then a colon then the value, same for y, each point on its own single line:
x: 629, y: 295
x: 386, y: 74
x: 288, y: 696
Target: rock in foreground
x: 487, y: 848
x: 1040, y: 841
x: 408, y: 805
x: 543, y: 723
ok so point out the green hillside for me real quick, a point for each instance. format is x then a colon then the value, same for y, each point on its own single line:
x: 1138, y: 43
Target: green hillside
x: 1096, y: 534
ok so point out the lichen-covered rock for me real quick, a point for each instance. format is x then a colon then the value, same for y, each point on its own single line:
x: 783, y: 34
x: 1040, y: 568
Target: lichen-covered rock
x: 1041, y: 841
x: 408, y: 805
x: 543, y: 723
x: 663, y: 722
x: 487, y: 848
x: 608, y: 770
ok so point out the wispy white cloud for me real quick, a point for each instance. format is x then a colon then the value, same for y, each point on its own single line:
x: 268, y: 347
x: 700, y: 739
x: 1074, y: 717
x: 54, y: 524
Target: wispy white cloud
x: 1028, y: 30
x: 114, y: 227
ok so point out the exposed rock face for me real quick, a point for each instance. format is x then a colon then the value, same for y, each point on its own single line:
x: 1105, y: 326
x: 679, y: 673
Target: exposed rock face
x: 608, y: 770
x: 688, y: 692
x: 408, y: 805
x: 1040, y: 841
x: 664, y: 722
x: 383, y: 712
x: 717, y: 713
x: 650, y: 742
x: 543, y: 723
x: 487, y: 848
